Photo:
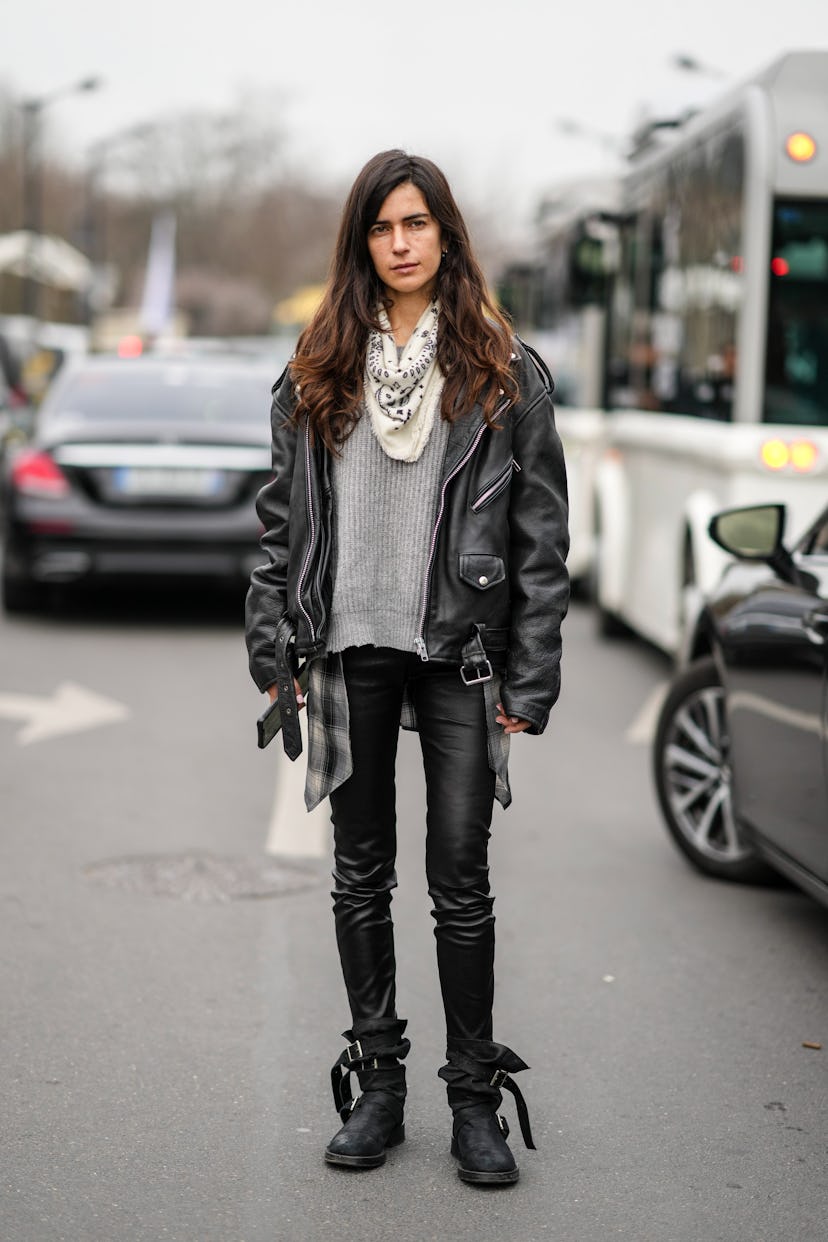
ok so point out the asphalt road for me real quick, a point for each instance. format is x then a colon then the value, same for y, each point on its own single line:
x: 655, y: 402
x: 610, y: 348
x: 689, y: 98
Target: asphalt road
x: 165, y: 1053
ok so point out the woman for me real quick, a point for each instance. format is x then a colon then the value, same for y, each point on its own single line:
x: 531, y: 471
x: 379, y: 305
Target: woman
x: 416, y: 534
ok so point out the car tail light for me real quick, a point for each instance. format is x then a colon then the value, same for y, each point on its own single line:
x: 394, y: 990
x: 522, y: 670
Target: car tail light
x: 36, y: 474
x: 130, y: 347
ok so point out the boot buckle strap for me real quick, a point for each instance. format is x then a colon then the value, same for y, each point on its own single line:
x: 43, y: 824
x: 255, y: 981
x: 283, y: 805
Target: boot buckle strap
x: 498, y: 1078
x: 355, y: 1055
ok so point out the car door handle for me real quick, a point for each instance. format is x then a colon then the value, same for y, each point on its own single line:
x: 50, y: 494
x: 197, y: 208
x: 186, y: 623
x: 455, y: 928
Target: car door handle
x: 816, y: 624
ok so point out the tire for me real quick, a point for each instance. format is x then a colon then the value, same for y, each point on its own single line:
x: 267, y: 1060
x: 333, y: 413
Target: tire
x: 21, y: 595
x: 688, y: 581
x: 607, y: 624
x: 691, y: 767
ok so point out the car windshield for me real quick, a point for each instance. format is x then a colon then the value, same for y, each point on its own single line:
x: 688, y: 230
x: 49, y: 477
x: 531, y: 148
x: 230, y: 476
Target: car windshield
x: 176, y: 392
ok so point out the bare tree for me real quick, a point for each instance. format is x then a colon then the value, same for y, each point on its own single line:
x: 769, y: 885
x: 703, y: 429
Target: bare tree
x: 244, y: 217
x: 11, y: 163
x: 251, y: 228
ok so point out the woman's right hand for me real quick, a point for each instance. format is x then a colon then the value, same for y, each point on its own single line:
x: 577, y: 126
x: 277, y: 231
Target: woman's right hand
x: 273, y: 693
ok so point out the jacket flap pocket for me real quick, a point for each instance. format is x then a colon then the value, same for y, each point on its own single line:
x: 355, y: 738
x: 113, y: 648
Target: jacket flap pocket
x: 481, y: 570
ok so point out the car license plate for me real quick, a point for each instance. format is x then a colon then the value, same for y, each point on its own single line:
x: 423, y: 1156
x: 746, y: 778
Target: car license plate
x: 142, y: 481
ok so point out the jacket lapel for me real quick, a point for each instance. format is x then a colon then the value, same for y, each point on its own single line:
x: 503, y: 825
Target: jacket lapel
x: 462, y: 432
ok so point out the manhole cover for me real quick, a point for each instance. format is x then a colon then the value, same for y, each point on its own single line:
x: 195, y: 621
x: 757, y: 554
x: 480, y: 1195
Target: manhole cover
x: 202, y: 877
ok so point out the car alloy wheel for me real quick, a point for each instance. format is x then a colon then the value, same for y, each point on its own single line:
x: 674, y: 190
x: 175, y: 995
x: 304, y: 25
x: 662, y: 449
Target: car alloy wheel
x: 691, y: 759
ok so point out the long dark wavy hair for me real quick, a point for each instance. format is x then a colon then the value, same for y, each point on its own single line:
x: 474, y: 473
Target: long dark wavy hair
x: 474, y: 344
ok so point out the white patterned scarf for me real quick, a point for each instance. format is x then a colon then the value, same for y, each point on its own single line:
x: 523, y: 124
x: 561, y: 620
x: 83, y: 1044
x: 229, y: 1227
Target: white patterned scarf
x: 402, y: 394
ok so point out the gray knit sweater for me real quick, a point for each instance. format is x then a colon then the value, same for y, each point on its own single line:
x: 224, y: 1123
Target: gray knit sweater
x: 384, y: 515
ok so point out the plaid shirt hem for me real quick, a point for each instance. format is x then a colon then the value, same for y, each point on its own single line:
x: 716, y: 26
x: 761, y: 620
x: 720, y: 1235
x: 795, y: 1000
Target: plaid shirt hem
x: 329, y: 738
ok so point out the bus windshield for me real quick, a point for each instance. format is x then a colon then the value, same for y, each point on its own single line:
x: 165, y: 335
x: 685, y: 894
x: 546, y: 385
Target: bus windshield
x: 796, y: 358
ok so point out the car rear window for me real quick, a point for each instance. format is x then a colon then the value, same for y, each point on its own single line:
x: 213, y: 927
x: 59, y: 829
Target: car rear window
x: 180, y: 393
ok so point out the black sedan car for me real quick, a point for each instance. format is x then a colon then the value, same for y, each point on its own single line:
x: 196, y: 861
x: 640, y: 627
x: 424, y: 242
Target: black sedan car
x: 741, y: 747
x: 146, y: 466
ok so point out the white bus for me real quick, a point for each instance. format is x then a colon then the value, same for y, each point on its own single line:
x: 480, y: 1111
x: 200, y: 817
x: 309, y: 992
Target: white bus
x: 558, y: 298
x: 716, y: 369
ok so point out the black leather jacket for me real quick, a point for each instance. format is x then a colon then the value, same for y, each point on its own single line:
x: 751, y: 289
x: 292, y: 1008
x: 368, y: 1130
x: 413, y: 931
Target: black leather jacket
x: 497, y: 553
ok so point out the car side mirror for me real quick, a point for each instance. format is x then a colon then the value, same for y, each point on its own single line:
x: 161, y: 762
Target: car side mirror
x: 752, y: 534
x: 755, y: 534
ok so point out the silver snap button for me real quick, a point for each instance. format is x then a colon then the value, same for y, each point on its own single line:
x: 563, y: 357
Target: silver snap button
x: 483, y: 580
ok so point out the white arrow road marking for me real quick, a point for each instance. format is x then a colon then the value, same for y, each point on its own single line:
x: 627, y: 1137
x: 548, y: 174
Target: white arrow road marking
x: 69, y: 710
x: 294, y: 833
x: 642, y: 729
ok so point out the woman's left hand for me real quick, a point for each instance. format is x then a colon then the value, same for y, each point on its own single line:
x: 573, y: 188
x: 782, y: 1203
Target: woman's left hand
x: 511, y: 724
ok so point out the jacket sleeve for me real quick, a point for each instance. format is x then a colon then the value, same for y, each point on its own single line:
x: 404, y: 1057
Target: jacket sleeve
x: 267, y: 596
x: 538, y: 546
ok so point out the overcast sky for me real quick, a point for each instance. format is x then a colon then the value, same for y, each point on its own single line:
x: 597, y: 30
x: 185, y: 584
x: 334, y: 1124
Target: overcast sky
x: 477, y: 85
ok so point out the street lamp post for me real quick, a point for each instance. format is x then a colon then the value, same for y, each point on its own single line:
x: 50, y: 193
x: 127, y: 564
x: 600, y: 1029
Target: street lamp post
x: 613, y: 144
x: 95, y: 225
x: 32, y: 110
x: 99, y: 162
x: 692, y: 64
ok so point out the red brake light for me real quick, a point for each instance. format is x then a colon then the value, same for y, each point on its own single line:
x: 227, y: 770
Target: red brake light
x: 130, y: 347
x: 36, y: 474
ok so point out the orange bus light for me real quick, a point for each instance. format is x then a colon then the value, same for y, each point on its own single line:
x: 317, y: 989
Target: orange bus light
x: 775, y: 454
x: 800, y: 147
x: 803, y: 455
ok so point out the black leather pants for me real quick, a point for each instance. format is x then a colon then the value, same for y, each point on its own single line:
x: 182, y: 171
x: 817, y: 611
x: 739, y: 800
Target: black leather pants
x: 460, y: 797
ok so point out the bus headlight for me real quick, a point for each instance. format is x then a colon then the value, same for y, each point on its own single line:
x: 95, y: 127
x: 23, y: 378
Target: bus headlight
x: 803, y: 455
x: 800, y: 455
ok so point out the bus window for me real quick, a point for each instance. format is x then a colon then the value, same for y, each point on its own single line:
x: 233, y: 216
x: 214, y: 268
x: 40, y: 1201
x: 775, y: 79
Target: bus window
x: 678, y: 293
x: 710, y: 190
x: 796, y: 357
x: 620, y: 392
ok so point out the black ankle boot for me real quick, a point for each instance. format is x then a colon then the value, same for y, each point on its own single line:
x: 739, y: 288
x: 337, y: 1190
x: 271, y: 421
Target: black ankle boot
x: 373, y: 1121
x: 476, y: 1070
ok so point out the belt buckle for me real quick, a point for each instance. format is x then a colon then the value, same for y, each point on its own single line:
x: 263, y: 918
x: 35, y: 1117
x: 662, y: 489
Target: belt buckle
x: 482, y: 671
x: 359, y: 1054
x: 499, y: 1077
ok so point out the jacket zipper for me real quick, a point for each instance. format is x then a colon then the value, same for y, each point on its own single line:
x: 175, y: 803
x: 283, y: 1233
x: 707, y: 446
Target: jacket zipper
x: 312, y: 539
x: 494, y: 490
x: 419, y: 641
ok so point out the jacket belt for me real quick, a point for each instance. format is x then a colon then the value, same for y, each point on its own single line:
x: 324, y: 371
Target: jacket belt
x: 476, y: 666
x: 291, y: 731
